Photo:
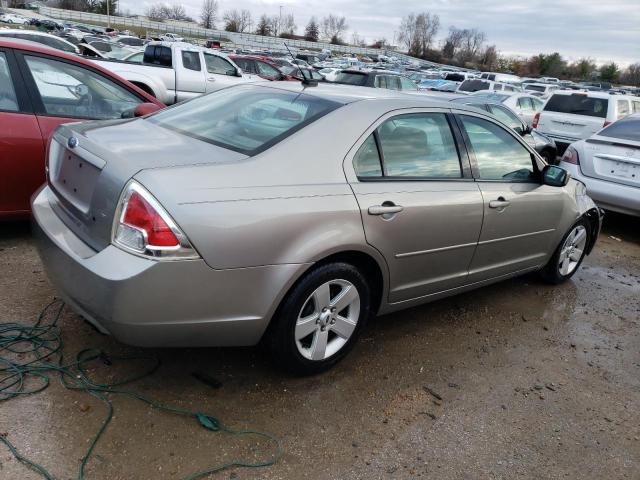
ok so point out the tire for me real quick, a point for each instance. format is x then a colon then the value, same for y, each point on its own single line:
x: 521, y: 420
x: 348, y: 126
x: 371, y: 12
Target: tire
x: 331, y: 285
x: 569, y: 255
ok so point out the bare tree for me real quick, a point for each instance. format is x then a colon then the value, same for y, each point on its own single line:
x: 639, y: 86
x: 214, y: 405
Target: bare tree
x: 418, y: 31
x: 264, y: 26
x: 333, y: 27
x: 312, y: 31
x: 288, y: 25
x: 209, y: 13
x: 274, y: 25
x: 167, y: 11
x: 237, y: 20
x: 472, y: 42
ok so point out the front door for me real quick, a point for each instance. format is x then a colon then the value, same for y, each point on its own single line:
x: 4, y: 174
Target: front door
x: 420, y: 207
x: 520, y: 213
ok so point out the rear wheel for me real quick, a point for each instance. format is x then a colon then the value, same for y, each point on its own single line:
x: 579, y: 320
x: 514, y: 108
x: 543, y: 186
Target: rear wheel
x: 569, y: 254
x: 320, y: 319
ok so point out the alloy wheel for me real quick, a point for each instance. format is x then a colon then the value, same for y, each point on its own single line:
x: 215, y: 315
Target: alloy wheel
x: 327, y: 319
x: 572, y: 250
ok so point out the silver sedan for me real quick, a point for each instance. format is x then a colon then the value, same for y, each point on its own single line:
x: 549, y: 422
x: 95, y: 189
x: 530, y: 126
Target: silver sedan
x: 292, y: 215
x: 608, y: 163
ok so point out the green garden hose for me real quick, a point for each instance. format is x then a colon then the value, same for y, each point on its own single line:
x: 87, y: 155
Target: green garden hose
x: 29, y: 354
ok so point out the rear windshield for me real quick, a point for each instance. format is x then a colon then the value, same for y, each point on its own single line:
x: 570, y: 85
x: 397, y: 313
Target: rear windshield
x: 247, y: 119
x: 625, y: 129
x: 351, y: 78
x: 473, y: 86
x: 578, y: 104
x: 536, y: 88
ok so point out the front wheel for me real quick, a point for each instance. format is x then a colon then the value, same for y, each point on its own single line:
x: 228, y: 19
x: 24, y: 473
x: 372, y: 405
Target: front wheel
x: 320, y: 319
x: 569, y: 254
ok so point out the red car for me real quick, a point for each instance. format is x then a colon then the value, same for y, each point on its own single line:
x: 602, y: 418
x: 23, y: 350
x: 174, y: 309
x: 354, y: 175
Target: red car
x: 41, y: 88
x: 261, y: 66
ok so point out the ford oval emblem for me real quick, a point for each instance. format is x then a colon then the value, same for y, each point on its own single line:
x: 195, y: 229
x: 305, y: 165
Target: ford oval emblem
x: 72, y: 142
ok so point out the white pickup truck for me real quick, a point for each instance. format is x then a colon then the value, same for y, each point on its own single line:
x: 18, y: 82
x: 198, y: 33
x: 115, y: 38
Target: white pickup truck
x: 175, y: 71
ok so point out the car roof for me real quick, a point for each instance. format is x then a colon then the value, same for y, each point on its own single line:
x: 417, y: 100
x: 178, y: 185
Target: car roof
x: 34, y: 47
x: 346, y: 94
x: 594, y: 94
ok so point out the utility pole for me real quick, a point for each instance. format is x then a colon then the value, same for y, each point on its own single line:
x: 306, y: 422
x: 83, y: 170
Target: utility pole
x: 108, y: 16
x: 280, y: 21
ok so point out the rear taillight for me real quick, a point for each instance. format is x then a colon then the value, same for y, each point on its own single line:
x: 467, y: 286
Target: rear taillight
x: 606, y: 123
x: 142, y: 226
x: 571, y: 156
x: 536, y: 119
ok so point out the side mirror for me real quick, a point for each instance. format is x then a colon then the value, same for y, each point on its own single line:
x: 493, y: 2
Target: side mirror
x: 145, y: 109
x: 555, y: 176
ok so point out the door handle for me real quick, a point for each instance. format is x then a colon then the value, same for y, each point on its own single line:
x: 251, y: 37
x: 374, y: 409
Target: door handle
x: 500, y: 203
x: 211, y: 79
x: 385, y: 209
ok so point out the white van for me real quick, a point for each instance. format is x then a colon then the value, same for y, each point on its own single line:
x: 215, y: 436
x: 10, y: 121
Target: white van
x: 543, y: 90
x: 569, y: 116
x: 471, y: 85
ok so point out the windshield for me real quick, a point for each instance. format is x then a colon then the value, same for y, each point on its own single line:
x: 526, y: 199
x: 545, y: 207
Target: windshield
x: 578, y: 104
x: 537, y: 88
x: 473, y: 86
x: 498, y: 97
x: 247, y: 119
x: 626, y: 129
x: 351, y: 78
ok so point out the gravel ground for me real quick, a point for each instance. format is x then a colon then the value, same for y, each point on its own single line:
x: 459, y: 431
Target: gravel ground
x: 515, y: 380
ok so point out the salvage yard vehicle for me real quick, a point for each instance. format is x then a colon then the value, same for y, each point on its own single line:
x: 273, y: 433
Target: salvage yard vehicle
x: 261, y: 67
x: 569, y: 116
x: 13, y: 18
x: 175, y: 71
x: 292, y: 214
x: 41, y: 88
x: 608, y: 163
x: 376, y: 79
x: 475, y: 85
x: 524, y: 105
x: 542, y: 144
x: 40, y: 37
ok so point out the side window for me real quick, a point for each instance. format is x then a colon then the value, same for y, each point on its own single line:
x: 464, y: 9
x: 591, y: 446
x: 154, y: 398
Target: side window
x: 636, y: 106
x: 623, y: 108
x: 267, y: 70
x: 537, y: 104
x: 380, y: 81
x: 219, y: 65
x: 499, y: 156
x: 419, y: 145
x: 393, y: 82
x: 191, y: 60
x: 506, y: 116
x: 407, y: 84
x: 366, y: 161
x: 497, y: 86
x: 8, y: 99
x: 70, y: 91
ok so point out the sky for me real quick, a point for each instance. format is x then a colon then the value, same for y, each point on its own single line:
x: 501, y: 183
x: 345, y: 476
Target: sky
x: 603, y: 30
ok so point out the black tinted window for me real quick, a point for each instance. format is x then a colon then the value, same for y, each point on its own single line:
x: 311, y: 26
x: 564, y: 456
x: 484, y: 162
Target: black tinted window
x: 625, y: 129
x: 158, y: 55
x: 352, y: 78
x: 473, y: 85
x: 191, y: 60
x: 578, y: 104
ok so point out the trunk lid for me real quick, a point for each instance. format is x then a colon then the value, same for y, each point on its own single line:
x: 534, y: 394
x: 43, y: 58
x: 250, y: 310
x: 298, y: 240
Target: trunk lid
x: 612, y: 160
x: 89, y: 173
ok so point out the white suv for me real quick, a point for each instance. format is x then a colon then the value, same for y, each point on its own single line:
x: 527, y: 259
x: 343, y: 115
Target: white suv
x: 569, y: 116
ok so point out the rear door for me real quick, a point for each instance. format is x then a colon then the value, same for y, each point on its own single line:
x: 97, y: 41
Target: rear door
x: 520, y: 213
x: 420, y: 207
x: 21, y: 147
x: 570, y: 117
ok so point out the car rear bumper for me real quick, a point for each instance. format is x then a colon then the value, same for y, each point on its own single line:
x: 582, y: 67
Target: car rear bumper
x: 157, y: 303
x: 608, y: 195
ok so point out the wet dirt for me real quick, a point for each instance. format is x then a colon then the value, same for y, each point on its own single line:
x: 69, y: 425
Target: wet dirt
x: 515, y: 380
